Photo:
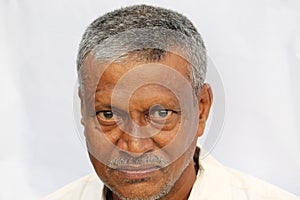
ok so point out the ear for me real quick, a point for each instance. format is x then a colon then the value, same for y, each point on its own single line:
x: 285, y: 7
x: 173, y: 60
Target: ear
x: 81, y: 106
x: 205, y: 99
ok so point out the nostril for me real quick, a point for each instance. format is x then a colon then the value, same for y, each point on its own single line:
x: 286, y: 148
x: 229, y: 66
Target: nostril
x: 140, y: 145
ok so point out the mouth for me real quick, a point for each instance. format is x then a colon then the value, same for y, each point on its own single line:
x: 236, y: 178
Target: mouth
x: 135, y: 174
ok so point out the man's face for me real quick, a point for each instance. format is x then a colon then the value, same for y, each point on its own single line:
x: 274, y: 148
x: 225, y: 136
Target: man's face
x: 140, y: 124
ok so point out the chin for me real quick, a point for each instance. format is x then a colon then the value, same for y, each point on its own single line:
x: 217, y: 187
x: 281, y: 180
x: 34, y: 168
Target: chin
x: 159, y: 185
x: 148, y: 186
x: 141, y: 192
x: 154, y: 186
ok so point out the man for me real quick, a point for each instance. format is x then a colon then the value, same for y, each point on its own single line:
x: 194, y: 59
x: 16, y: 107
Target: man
x: 144, y: 104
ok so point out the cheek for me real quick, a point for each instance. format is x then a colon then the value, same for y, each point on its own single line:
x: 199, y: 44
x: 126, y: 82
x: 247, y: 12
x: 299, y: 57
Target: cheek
x: 163, y: 138
x: 100, y: 169
x: 167, y: 133
x: 99, y: 144
x: 95, y: 132
x: 182, y: 162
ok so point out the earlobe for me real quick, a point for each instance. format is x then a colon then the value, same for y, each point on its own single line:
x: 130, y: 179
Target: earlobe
x: 205, y: 99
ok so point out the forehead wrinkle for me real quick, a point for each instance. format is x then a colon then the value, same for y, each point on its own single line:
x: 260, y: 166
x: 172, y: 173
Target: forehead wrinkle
x: 103, y: 87
x: 143, y: 102
x: 138, y: 100
x: 109, y: 89
x: 110, y: 76
x: 104, y: 97
x: 146, y: 102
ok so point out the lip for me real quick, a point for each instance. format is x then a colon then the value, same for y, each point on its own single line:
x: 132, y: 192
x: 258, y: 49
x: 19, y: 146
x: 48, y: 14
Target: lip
x: 137, y: 173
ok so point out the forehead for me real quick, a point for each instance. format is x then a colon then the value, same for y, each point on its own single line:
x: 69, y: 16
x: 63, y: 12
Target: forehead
x: 105, y: 73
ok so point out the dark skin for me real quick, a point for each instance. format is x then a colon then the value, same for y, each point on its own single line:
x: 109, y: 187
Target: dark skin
x: 180, y: 174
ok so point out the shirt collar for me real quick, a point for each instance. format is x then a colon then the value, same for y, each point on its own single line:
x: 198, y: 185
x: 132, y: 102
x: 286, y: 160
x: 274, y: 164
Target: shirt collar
x: 213, y: 181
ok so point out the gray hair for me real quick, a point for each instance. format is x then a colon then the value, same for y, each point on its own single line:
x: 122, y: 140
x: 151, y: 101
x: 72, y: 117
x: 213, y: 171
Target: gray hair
x: 148, y: 32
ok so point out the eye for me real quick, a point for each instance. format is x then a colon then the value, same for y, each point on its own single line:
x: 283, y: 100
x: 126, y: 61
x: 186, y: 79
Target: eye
x: 160, y: 114
x: 107, y: 116
x: 110, y: 118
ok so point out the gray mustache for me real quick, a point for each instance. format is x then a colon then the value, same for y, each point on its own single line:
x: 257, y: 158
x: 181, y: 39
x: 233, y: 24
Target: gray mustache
x: 141, y: 160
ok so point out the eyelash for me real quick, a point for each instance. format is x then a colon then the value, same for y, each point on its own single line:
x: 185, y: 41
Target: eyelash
x: 148, y: 116
x: 169, y: 112
x: 103, y: 111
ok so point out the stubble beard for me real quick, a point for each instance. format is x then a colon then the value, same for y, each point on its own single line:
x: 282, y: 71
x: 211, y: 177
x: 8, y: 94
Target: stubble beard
x: 163, y: 192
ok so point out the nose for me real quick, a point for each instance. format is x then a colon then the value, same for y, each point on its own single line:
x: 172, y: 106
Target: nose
x: 134, y: 140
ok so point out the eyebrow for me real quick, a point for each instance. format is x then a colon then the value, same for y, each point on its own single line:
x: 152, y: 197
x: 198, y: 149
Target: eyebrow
x: 106, y: 106
x: 113, y: 108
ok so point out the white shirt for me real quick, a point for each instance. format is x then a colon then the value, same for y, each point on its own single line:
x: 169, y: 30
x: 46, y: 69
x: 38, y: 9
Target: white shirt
x: 214, y: 182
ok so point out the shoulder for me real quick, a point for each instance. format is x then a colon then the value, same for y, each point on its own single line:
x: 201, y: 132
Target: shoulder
x: 88, y: 187
x: 244, y: 186
x: 256, y: 188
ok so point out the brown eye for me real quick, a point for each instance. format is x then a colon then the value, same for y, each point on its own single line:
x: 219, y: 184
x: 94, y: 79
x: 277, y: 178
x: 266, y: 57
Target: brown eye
x: 107, y: 115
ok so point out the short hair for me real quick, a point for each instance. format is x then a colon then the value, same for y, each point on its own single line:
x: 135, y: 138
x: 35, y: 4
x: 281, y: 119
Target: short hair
x: 145, y: 17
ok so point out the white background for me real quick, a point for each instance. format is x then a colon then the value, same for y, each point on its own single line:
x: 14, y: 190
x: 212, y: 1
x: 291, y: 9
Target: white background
x: 255, y: 45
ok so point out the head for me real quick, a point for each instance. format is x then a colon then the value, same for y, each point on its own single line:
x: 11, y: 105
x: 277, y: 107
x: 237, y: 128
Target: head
x: 143, y: 99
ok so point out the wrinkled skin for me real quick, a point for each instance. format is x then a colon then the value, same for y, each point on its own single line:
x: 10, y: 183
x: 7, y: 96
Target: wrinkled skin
x: 120, y: 124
